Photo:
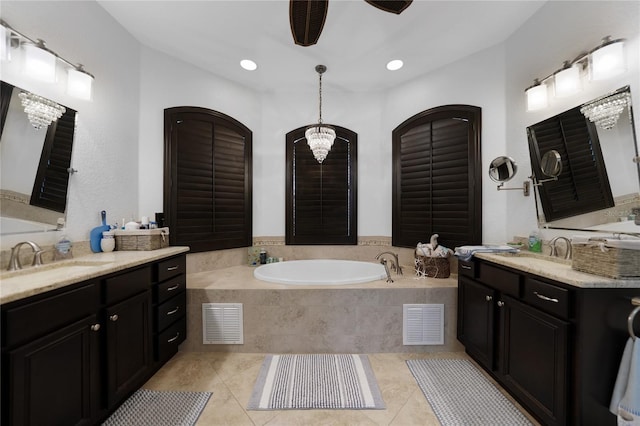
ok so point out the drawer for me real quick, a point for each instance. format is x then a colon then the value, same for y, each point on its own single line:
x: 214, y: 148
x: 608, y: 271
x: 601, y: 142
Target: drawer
x: 171, y: 267
x: 467, y: 268
x: 167, y: 342
x: 127, y: 284
x: 170, y: 288
x: 547, y: 297
x: 170, y: 311
x: 504, y: 281
x: 27, y: 322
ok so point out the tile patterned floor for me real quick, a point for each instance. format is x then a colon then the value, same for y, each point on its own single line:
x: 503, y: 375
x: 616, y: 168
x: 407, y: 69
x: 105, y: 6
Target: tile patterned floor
x: 231, y: 376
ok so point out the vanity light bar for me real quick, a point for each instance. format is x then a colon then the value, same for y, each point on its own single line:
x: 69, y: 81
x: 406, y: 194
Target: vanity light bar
x: 605, y: 61
x: 40, y: 62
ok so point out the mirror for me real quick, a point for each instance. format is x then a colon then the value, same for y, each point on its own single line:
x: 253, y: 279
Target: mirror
x: 597, y: 183
x: 551, y: 164
x: 502, y: 169
x: 34, y: 166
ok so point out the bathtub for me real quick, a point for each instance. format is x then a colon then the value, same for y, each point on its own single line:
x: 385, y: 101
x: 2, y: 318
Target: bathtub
x: 320, y: 271
x: 11, y: 225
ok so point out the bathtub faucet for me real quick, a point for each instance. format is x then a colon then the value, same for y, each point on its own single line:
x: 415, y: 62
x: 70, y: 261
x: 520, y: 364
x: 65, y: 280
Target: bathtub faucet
x: 395, y: 263
x: 14, y: 261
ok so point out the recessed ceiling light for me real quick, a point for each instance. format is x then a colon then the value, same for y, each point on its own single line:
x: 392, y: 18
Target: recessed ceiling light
x: 394, y: 65
x: 248, y: 64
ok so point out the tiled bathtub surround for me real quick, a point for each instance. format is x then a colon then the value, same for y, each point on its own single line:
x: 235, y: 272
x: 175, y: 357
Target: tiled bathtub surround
x: 356, y: 318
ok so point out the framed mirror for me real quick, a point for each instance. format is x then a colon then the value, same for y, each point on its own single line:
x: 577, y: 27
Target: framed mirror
x: 598, y: 183
x: 34, y: 164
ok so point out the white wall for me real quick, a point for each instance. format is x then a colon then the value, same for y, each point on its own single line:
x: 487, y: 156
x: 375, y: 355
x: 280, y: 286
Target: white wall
x: 105, y: 150
x: 561, y: 31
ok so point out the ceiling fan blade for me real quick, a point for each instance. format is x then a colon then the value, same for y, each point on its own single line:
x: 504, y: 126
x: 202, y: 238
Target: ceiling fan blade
x: 393, y: 6
x: 307, y: 19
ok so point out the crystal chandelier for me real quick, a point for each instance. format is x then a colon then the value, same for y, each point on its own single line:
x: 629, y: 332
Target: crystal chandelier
x: 606, y: 111
x: 41, y: 111
x: 320, y: 137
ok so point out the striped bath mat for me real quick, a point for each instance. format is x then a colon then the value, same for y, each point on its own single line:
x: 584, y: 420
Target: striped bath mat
x: 290, y: 382
x: 461, y: 395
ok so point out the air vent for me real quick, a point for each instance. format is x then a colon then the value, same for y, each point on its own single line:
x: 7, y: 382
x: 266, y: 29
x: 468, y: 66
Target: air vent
x: 423, y: 324
x: 222, y: 324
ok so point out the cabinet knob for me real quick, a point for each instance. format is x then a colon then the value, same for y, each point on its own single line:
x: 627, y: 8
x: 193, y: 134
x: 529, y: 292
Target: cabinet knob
x: 95, y: 327
x: 114, y: 317
x: 500, y: 303
x: 488, y: 298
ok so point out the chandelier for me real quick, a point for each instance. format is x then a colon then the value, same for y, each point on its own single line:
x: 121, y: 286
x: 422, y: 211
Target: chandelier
x: 606, y: 111
x: 41, y: 111
x: 320, y: 137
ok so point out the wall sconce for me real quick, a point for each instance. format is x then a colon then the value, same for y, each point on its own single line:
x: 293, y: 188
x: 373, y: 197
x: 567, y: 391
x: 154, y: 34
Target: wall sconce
x: 537, y: 96
x: 605, y: 61
x: 40, y: 63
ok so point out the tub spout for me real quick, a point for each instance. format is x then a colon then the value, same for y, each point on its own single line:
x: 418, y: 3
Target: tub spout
x: 395, y: 265
x: 386, y: 269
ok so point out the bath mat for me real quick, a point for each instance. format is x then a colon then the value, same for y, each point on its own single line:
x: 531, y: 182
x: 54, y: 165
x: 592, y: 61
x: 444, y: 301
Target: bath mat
x: 460, y: 394
x: 152, y: 408
x: 296, y: 382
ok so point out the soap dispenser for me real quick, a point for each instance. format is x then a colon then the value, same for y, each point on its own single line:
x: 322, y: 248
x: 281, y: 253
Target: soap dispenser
x: 535, y: 242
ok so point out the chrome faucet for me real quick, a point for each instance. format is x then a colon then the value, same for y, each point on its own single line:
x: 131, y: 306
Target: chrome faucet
x: 395, y: 264
x: 554, y: 249
x: 14, y: 261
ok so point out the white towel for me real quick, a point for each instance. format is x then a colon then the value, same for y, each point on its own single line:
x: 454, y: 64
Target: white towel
x: 625, y: 401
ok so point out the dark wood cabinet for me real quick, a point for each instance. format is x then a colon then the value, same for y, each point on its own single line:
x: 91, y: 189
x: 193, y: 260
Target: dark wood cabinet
x: 555, y: 347
x: 52, y: 380
x: 71, y: 356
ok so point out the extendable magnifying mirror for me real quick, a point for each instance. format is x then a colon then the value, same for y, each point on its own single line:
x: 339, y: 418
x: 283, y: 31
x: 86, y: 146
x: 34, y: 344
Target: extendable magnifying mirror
x: 503, y: 169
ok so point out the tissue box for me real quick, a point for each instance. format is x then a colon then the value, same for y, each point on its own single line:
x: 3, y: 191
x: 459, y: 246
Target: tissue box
x: 142, y: 239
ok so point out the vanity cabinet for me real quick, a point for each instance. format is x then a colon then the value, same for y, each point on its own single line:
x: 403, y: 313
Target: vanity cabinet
x: 169, y: 307
x: 72, y: 355
x: 556, y: 348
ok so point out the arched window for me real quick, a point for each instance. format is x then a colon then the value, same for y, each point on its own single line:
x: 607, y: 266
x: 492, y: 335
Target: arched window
x: 321, y: 198
x: 207, y: 179
x: 437, y: 183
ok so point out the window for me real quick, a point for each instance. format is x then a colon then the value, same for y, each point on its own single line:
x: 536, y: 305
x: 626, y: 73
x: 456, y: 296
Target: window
x: 52, y: 179
x: 436, y: 177
x: 321, y: 198
x: 207, y: 179
x: 583, y: 185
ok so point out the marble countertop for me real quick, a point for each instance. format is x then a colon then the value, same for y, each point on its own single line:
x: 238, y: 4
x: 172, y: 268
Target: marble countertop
x: 30, y: 281
x: 241, y: 277
x: 555, y: 269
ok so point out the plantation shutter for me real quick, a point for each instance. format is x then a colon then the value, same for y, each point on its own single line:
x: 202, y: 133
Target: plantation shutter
x: 207, y: 180
x: 321, y: 198
x: 52, y: 178
x: 583, y: 185
x: 437, y: 186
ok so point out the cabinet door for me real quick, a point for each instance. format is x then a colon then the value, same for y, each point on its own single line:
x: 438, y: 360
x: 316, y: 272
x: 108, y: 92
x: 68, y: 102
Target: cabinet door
x: 534, y: 359
x: 476, y: 320
x: 128, y: 325
x: 53, y: 379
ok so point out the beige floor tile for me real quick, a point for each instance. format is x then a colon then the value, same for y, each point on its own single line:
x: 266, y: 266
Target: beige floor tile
x: 416, y: 411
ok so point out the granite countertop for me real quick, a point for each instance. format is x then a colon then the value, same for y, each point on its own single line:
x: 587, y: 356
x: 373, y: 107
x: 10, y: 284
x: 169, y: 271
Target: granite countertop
x: 556, y: 269
x: 241, y: 277
x: 30, y: 281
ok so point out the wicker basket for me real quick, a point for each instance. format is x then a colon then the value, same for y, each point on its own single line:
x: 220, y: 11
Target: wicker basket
x: 612, y: 262
x: 433, y: 267
x: 142, y: 239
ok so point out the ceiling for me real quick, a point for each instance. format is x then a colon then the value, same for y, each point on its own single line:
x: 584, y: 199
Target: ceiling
x: 356, y: 43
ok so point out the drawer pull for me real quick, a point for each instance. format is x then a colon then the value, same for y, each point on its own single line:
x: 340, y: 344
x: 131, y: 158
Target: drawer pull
x: 173, y: 268
x: 543, y: 297
x: 175, y: 287
x: 174, y: 338
x: 114, y: 317
x: 467, y: 267
x: 95, y: 327
x: 174, y: 311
